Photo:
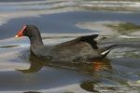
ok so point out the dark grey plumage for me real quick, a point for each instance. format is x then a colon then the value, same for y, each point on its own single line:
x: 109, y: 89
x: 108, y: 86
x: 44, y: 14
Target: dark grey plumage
x: 81, y: 49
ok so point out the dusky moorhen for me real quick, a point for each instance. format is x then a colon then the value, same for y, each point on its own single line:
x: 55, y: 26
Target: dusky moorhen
x: 81, y: 49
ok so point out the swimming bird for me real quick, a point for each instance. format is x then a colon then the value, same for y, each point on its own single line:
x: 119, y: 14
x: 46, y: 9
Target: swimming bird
x: 80, y: 49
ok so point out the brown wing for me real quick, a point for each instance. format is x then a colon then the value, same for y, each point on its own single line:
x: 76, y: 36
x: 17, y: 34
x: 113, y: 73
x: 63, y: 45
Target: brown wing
x: 89, y: 39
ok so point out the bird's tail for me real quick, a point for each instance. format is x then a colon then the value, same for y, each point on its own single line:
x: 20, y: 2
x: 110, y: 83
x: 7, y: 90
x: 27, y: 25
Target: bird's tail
x: 105, y: 50
x: 105, y: 53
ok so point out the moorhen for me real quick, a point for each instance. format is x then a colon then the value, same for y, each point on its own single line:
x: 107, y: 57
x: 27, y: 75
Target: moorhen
x: 81, y: 49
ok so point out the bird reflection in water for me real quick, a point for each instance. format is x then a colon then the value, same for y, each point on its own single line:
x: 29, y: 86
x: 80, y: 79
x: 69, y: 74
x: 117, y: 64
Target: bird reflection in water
x: 104, y: 64
x: 36, y: 63
x: 96, y: 70
x: 93, y: 69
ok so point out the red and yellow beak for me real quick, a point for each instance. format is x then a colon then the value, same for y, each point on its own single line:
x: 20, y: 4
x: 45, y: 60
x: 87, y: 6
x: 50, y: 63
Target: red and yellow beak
x: 16, y: 36
x: 20, y: 33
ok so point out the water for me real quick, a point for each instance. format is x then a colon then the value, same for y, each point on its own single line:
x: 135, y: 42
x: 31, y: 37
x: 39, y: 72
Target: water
x: 64, y: 22
x: 22, y: 72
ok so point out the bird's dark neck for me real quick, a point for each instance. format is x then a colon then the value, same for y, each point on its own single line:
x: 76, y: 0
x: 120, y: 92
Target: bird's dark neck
x: 36, y: 41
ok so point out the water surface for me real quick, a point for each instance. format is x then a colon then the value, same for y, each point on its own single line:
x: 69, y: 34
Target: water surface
x: 22, y: 72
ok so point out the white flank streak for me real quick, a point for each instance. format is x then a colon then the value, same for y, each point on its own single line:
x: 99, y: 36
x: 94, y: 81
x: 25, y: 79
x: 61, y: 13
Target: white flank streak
x: 103, y: 53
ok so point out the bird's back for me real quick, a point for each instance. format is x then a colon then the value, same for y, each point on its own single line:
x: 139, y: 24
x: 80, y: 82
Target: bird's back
x: 67, y: 52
